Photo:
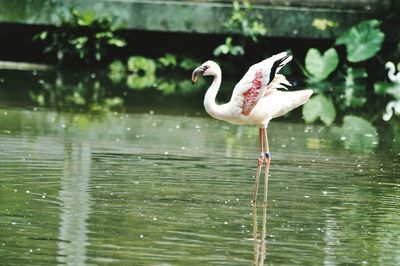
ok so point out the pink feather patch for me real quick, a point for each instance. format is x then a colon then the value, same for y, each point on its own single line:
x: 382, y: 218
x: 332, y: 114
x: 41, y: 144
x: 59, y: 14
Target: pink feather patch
x: 251, y: 96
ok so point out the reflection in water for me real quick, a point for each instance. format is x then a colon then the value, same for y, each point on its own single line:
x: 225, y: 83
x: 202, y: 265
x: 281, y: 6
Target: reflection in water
x: 255, y: 236
x: 75, y: 201
x: 330, y: 239
x: 162, y: 191
x: 259, y: 245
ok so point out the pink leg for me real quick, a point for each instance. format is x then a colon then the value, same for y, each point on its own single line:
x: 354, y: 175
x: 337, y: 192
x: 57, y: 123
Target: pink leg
x: 265, y: 203
x: 260, y: 162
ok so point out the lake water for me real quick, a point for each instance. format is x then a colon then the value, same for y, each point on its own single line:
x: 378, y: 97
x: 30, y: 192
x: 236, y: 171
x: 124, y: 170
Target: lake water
x: 162, y: 183
x: 155, y: 189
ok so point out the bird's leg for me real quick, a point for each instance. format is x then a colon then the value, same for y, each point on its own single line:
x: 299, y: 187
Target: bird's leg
x: 265, y: 205
x: 260, y: 162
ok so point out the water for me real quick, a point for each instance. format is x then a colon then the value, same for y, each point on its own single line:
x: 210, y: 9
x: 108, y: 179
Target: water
x: 155, y: 189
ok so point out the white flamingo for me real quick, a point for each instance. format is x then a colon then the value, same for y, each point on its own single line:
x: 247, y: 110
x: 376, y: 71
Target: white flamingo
x: 393, y: 107
x: 255, y: 101
x: 391, y: 72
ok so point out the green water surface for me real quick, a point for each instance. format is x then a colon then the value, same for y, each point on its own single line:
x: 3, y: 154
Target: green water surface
x: 155, y: 189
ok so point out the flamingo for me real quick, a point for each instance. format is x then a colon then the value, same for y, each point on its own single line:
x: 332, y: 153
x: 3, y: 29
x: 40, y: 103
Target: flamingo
x: 255, y: 101
x: 391, y: 72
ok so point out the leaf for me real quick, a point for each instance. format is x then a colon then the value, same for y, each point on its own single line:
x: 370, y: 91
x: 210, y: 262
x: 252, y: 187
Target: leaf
x: 357, y: 134
x: 319, y: 107
x: 139, y: 63
x: 168, y: 60
x: 137, y: 82
x: 355, y: 84
x: 228, y: 48
x: 320, y: 66
x: 188, y: 64
x: 117, y: 42
x: 362, y: 41
x: 117, y: 71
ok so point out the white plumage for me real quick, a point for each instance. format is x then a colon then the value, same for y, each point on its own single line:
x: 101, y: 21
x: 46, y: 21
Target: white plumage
x: 255, y: 99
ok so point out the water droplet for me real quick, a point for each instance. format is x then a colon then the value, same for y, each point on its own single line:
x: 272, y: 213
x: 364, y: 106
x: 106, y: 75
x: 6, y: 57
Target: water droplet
x: 27, y: 192
x: 343, y: 138
x: 166, y: 153
x: 141, y: 236
x: 325, y: 192
x: 151, y: 112
x: 93, y: 75
x: 128, y: 129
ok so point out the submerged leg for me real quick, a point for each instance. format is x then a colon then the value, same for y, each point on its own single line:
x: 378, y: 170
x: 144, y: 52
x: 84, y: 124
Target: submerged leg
x: 265, y: 203
x: 260, y: 161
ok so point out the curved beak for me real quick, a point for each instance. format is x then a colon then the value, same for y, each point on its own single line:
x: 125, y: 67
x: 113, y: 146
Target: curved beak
x: 198, y: 71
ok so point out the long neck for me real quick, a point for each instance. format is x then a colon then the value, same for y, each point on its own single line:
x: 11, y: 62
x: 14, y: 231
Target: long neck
x: 212, y: 108
x: 391, y: 72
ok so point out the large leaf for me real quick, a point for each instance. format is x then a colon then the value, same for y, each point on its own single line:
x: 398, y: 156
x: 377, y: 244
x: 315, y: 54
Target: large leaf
x: 320, y: 66
x: 357, y: 134
x: 362, y: 41
x: 319, y: 107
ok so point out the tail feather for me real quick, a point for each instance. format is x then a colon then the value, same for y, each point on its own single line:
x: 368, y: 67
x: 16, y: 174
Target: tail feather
x: 279, y: 82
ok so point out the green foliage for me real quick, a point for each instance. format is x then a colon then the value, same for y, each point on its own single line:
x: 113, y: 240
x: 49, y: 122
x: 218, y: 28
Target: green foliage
x: 137, y: 64
x: 117, y: 71
x: 168, y: 60
x: 81, y: 35
x: 319, y: 107
x: 324, y: 24
x: 355, y: 84
x: 362, y: 41
x: 349, y: 82
x: 85, y: 95
x: 384, y: 88
x: 188, y: 63
x: 320, y: 66
x: 228, y: 48
x: 245, y: 22
x: 140, y: 73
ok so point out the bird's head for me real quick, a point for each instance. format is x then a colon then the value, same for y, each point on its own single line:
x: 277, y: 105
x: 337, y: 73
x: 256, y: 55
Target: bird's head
x: 209, y: 68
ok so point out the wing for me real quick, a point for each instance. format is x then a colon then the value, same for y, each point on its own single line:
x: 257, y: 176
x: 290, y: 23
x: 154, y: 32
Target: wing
x: 254, y: 84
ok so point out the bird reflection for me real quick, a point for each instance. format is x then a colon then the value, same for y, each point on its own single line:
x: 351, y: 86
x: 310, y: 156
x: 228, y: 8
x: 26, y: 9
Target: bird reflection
x: 259, y: 244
